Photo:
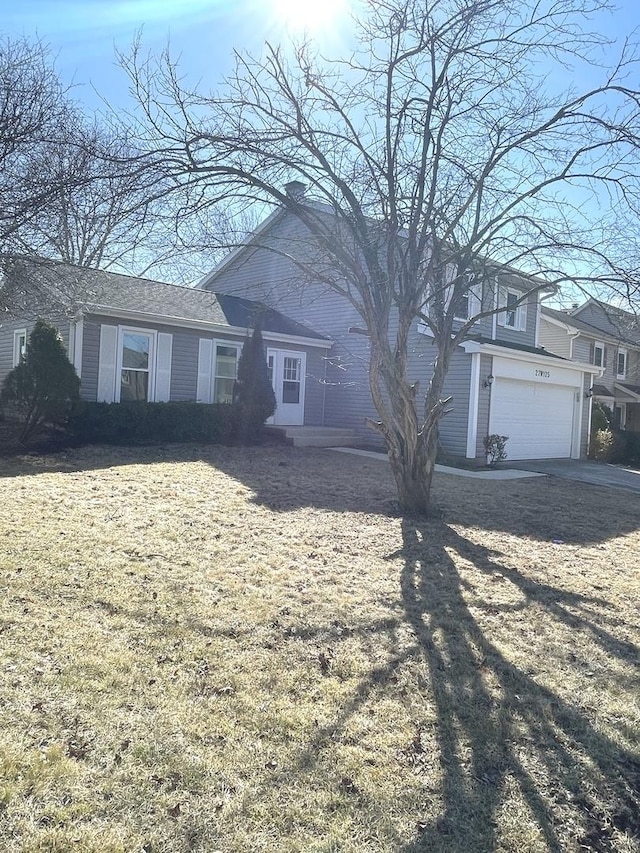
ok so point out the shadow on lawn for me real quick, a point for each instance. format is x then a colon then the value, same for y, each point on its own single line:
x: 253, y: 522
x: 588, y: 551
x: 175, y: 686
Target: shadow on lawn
x: 284, y: 479
x: 498, y: 731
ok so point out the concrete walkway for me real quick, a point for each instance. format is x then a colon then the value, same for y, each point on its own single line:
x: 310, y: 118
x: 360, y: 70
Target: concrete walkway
x: 497, y: 474
x: 594, y: 473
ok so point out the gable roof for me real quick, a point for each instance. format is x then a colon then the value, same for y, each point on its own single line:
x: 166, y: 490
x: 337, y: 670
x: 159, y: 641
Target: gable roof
x: 510, y: 276
x: 569, y: 319
x: 67, y: 289
x: 621, y: 324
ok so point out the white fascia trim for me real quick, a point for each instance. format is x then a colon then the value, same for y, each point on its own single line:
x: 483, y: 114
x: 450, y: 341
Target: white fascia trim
x: 555, y: 322
x: 233, y: 254
x: 624, y: 390
x: 474, y: 397
x: 517, y: 355
x: 204, y: 326
x: 78, y: 334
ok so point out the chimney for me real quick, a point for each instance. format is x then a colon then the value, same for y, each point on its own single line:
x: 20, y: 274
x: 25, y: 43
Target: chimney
x: 295, y: 190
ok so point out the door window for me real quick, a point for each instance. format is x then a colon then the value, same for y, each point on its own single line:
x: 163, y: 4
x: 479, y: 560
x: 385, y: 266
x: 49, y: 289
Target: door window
x: 291, y: 380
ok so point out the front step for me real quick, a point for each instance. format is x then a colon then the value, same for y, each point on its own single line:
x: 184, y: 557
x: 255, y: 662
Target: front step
x: 310, y: 436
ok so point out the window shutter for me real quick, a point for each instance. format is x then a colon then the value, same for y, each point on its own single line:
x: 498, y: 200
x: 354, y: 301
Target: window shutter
x: 163, y: 367
x: 604, y: 356
x: 502, y: 301
x: 522, y: 315
x: 475, y: 301
x: 205, y: 358
x: 107, y: 363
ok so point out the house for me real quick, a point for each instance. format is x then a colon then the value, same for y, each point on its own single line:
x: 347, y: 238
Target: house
x: 607, y: 338
x: 136, y: 339
x: 501, y: 381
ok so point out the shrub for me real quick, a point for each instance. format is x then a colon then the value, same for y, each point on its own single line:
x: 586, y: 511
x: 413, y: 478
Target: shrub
x: 253, y: 393
x: 494, y: 445
x: 44, y: 387
x: 602, y: 445
x: 601, y: 417
x: 138, y: 422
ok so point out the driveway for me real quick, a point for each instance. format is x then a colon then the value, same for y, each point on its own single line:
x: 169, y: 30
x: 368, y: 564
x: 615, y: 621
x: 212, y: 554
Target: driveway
x: 595, y: 473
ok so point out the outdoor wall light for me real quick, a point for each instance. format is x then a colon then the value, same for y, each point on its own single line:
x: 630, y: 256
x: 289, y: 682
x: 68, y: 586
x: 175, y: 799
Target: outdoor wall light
x: 488, y: 382
x: 588, y: 394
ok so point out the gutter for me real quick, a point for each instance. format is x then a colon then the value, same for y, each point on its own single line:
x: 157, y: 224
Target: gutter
x: 203, y: 325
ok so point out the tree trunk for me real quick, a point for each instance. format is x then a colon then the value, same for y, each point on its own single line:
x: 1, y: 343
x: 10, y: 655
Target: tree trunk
x: 413, y: 472
x: 411, y: 438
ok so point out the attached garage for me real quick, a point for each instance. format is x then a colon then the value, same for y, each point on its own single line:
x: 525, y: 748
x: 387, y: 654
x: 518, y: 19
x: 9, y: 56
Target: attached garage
x: 537, y: 418
x: 537, y: 407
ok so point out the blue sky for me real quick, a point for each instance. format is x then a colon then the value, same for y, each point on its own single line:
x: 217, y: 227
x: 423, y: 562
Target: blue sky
x: 202, y: 34
x: 83, y: 34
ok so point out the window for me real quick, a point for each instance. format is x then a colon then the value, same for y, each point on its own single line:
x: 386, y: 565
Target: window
x: 471, y: 302
x: 598, y: 354
x: 291, y: 380
x: 225, y: 372
x: 135, y: 362
x: 515, y: 316
x: 19, y: 346
x: 621, y: 370
x: 511, y: 314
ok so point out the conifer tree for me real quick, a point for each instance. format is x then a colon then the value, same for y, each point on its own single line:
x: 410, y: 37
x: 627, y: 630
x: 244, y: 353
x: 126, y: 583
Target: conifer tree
x: 254, y: 392
x: 44, y: 386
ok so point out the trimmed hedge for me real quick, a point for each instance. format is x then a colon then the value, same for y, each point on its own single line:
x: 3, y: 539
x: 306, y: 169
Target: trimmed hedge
x: 145, y: 423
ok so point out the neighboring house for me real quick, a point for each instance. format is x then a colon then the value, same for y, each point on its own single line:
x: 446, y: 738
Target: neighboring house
x: 502, y: 381
x: 607, y: 338
x: 135, y: 339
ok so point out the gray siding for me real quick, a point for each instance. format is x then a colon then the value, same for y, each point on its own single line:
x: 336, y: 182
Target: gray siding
x: 6, y: 339
x: 271, y: 277
x: 633, y: 369
x: 599, y: 317
x: 583, y: 351
x: 555, y: 339
x: 526, y: 336
x: 184, y: 361
x: 454, y: 426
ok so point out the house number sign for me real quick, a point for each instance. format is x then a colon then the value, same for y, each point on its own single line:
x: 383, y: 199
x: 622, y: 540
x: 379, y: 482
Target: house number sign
x: 543, y: 374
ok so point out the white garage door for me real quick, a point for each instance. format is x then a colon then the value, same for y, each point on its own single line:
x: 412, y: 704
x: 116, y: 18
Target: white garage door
x: 537, y: 418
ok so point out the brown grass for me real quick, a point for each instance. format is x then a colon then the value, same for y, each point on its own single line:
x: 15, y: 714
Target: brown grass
x: 207, y: 649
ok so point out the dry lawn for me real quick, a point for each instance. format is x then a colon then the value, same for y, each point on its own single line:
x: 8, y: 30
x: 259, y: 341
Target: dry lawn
x: 205, y: 649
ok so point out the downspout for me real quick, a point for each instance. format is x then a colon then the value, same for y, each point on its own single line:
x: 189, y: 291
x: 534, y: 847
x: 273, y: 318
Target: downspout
x: 324, y: 388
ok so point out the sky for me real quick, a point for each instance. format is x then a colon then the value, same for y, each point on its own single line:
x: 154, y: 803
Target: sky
x: 83, y: 35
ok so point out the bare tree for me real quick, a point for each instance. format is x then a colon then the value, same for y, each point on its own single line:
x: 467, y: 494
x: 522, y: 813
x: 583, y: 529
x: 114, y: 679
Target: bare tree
x: 99, y: 213
x: 442, y: 152
x: 34, y: 112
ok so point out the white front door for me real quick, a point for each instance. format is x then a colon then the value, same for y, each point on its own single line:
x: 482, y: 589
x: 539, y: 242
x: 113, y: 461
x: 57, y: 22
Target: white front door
x: 287, y: 371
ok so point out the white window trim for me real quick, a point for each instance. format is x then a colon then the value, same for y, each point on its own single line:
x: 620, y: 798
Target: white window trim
x: 222, y: 343
x: 132, y: 330
x: 625, y: 353
x: 598, y: 345
x: 17, y: 335
x: 474, y: 300
x: 519, y: 312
